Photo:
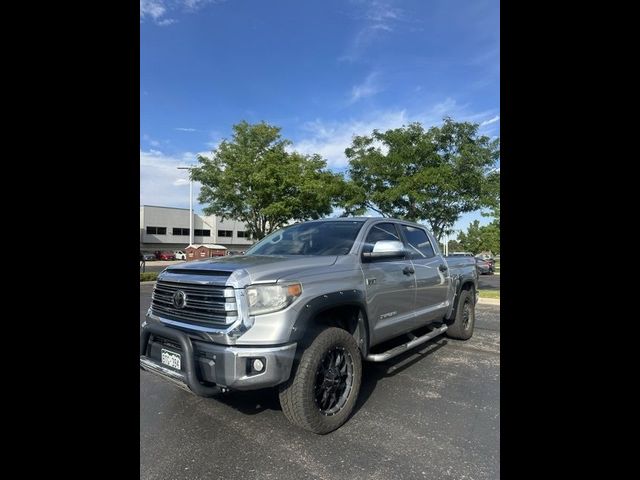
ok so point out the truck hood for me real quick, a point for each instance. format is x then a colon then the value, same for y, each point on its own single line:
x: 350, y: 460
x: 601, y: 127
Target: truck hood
x: 247, y: 269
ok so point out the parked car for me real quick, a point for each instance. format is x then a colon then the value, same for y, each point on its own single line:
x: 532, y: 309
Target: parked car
x: 180, y: 255
x: 485, y: 267
x: 148, y: 256
x: 302, y: 309
x: 460, y: 254
x: 167, y: 256
x: 235, y: 252
x: 487, y: 258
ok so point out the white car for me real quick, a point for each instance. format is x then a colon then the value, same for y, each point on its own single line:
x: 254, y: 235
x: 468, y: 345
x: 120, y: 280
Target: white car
x: 180, y: 255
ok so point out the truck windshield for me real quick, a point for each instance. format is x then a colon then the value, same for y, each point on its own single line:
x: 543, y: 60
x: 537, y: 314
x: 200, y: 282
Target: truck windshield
x: 313, y: 238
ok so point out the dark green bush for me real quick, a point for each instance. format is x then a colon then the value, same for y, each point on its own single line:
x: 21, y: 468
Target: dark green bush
x: 148, y: 276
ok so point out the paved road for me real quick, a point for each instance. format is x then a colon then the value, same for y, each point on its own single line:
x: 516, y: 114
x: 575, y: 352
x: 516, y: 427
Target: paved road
x: 433, y: 413
x: 489, y: 282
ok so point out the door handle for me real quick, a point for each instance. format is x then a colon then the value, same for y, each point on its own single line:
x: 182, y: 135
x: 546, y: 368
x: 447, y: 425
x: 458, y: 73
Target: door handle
x: 408, y: 270
x: 442, y: 267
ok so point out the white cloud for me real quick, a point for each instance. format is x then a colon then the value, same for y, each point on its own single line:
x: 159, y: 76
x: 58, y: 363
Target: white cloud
x: 329, y: 139
x: 195, y: 4
x: 490, y: 121
x: 161, y: 183
x: 366, y: 89
x: 381, y: 13
x: 153, y: 142
x: 182, y: 129
x: 152, y: 8
x: 377, y: 17
x: 166, y: 22
x: 156, y: 10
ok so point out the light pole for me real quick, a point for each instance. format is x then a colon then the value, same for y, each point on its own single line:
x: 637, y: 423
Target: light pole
x: 190, y: 204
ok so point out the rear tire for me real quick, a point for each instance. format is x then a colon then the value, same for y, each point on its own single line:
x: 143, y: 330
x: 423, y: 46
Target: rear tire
x: 323, y: 387
x: 465, y: 319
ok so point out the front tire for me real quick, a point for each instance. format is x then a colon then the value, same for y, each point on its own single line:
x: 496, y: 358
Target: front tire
x: 465, y: 319
x: 323, y: 388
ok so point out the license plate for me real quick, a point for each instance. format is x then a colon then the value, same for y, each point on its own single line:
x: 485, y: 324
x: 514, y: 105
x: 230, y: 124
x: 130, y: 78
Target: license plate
x: 170, y: 359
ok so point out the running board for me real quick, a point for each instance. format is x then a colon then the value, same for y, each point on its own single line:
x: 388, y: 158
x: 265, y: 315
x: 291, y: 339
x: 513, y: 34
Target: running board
x: 414, y: 342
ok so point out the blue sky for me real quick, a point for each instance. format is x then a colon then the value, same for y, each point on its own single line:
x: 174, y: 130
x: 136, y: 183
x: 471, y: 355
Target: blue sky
x: 322, y: 70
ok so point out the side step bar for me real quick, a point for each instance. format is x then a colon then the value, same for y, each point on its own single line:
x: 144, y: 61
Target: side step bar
x: 414, y: 342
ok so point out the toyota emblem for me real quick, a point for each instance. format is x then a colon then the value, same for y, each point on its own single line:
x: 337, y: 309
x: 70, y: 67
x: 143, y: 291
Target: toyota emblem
x: 179, y: 299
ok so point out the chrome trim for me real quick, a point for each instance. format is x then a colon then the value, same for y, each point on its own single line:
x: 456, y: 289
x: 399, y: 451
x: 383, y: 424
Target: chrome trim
x: 212, y: 305
x: 197, y: 328
x: 414, y: 342
x: 179, y: 299
x: 245, y: 320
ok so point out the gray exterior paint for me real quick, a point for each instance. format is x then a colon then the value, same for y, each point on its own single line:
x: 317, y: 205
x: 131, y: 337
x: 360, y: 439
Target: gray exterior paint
x: 204, y: 306
x: 405, y: 295
x: 395, y: 304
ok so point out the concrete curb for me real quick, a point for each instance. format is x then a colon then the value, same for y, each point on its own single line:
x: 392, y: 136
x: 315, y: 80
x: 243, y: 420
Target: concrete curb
x: 150, y: 282
x: 489, y: 301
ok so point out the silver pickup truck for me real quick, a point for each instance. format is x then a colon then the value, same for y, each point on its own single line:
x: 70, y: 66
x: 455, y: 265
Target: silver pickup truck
x: 302, y: 309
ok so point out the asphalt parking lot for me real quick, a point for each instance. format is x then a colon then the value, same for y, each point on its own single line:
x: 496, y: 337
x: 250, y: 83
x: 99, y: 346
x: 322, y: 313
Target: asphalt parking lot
x: 489, y: 282
x: 432, y: 413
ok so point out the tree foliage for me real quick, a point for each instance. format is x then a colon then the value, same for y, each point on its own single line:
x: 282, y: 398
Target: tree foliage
x: 492, y: 196
x: 481, y: 239
x: 254, y: 179
x: 454, y: 246
x: 434, y: 175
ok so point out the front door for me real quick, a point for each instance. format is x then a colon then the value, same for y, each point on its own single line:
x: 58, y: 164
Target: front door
x: 390, y: 287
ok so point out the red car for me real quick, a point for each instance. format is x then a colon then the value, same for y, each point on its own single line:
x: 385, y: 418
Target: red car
x: 167, y: 256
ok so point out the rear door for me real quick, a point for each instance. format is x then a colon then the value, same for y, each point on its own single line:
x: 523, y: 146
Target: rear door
x: 431, y: 274
x: 390, y: 287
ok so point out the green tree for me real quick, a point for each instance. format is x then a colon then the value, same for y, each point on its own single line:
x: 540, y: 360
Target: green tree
x: 434, y: 175
x: 254, y: 179
x: 481, y: 239
x: 454, y: 246
x: 492, y: 196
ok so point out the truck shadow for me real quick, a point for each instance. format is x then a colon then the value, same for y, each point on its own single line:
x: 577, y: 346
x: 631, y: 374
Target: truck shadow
x: 374, y: 372
x: 257, y: 401
x: 252, y: 402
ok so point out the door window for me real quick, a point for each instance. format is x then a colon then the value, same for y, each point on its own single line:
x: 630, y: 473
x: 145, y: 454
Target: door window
x: 379, y: 232
x: 419, y: 243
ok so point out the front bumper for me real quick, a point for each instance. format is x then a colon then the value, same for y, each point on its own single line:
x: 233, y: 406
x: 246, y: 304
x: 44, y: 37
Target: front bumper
x: 208, y: 368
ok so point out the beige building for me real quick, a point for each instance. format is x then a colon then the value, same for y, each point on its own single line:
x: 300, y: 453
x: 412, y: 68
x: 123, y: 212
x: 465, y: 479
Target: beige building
x: 167, y: 228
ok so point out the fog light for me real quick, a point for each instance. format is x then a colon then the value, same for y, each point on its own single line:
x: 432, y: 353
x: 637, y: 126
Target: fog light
x: 258, y: 365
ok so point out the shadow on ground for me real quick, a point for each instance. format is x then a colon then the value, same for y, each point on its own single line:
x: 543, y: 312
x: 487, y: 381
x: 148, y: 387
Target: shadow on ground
x: 256, y: 401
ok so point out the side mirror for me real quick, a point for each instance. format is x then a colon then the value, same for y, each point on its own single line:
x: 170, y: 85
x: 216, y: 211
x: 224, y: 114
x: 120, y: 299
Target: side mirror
x: 385, y: 249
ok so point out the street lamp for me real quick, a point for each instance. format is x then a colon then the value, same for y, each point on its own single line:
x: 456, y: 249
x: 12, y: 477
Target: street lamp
x: 190, y: 203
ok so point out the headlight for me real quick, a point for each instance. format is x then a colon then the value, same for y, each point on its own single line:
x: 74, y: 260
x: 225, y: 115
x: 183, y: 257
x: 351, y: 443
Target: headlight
x: 271, y: 298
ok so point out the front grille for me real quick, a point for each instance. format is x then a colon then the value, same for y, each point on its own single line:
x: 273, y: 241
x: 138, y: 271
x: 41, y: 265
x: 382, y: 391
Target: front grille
x: 165, y: 342
x: 205, y: 305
